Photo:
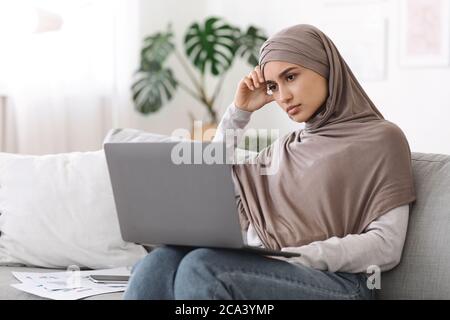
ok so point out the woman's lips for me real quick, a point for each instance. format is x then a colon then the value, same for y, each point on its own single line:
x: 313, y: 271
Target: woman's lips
x: 294, y: 110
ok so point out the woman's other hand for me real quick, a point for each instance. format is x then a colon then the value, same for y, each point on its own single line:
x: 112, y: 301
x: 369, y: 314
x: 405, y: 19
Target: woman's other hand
x: 251, y: 93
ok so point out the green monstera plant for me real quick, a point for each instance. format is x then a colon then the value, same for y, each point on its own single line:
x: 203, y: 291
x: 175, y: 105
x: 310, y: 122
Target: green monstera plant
x: 211, y: 47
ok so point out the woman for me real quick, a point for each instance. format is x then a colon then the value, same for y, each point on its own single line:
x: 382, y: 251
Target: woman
x: 339, y: 196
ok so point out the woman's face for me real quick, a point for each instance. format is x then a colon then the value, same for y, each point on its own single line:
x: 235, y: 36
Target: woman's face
x: 299, y: 91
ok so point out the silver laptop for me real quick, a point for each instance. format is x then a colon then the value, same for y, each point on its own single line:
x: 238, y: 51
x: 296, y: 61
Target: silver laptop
x: 169, y: 193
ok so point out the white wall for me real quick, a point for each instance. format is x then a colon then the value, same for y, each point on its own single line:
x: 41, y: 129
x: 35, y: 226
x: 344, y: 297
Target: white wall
x: 417, y: 99
x: 154, y: 16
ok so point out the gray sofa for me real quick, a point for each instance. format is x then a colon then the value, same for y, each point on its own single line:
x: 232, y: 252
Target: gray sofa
x: 424, y: 272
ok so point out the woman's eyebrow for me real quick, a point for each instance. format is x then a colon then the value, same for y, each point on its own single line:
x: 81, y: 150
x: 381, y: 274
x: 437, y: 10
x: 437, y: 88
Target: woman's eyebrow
x: 282, y: 74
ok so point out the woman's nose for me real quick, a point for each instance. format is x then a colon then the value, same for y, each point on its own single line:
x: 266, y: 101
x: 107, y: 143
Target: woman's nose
x: 285, y: 94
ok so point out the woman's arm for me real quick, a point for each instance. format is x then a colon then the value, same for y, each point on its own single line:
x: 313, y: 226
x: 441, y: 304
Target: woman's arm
x: 231, y: 130
x: 233, y: 119
x: 381, y: 244
x: 251, y: 95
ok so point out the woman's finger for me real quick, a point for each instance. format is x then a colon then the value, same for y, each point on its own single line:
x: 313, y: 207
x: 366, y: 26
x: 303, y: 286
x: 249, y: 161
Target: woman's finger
x: 249, y: 83
x: 260, y: 76
x: 255, y: 79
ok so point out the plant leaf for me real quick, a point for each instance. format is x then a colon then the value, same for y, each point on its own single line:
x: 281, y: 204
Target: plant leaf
x: 156, y: 47
x: 249, y: 44
x: 211, y: 45
x: 153, y: 88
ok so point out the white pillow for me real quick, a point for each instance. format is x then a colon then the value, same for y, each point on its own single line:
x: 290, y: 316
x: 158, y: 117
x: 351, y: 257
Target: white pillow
x: 58, y: 210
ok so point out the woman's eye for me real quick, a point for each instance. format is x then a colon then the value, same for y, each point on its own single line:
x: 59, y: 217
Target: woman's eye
x: 271, y: 87
x: 290, y: 77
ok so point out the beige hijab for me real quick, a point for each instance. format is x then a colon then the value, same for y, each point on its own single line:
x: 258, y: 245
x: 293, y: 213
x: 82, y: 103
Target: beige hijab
x: 347, y: 167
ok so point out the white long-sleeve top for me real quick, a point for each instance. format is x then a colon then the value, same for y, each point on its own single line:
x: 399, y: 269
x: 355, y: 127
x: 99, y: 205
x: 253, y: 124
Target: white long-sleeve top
x: 381, y: 243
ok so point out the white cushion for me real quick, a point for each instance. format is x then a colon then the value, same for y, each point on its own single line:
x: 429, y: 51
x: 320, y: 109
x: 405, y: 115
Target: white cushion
x: 58, y: 210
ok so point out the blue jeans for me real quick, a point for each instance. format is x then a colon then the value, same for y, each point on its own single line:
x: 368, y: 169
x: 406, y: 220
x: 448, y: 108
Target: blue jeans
x: 171, y: 272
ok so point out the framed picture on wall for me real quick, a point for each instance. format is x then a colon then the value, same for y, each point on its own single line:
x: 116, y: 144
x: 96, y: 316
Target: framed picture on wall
x: 424, y: 33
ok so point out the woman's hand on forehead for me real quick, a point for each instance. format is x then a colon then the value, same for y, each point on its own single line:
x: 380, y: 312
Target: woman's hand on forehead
x: 251, y: 93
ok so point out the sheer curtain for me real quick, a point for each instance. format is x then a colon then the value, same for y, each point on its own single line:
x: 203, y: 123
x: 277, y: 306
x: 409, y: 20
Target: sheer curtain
x: 63, y: 86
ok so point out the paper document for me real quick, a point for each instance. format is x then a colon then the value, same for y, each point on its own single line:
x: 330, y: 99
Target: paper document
x: 68, y: 285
